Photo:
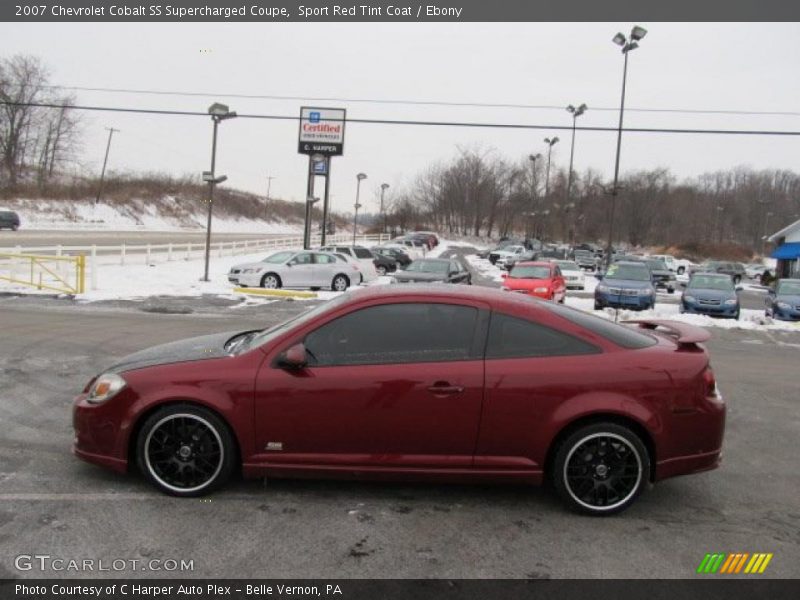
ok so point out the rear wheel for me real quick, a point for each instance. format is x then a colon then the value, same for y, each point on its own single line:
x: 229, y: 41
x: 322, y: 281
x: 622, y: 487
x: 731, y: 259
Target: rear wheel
x: 185, y: 450
x: 597, y: 305
x: 340, y: 283
x: 381, y: 270
x: 681, y: 270
x: 600, y: 469
x: 736, y: 279
x: 271, y: 281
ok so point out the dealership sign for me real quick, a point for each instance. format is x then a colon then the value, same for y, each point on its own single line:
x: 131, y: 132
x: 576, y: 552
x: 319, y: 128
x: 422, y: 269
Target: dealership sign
x: 321, y: 131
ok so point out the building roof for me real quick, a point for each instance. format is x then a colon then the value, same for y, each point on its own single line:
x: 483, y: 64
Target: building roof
x: 785, y: 231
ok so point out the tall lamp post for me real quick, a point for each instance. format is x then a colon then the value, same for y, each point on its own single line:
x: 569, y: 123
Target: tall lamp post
x: 266, y: 204
x: 360, y: 177
x: 533, y: 158
x: 384, y: 187
x: 550, y: 143
x: 626, y: 45
x: 219, y: 112
x: 575, y: 112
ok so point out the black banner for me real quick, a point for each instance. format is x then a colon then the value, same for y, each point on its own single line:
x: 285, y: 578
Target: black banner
x: 277, y: 11
x: 385, y: 589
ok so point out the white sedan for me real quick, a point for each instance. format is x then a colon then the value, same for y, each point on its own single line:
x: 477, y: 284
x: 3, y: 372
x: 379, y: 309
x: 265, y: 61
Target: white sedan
x: 573, y: 275
x: 298, y: 269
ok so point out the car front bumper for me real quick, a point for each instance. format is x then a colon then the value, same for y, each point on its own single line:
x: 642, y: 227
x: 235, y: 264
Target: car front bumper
x: 623, y: 301
x: 722, y: 310
x: 100, y: 437
x: 786, y: 314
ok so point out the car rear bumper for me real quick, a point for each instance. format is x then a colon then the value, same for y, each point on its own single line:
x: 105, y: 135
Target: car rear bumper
x: 686, y: 465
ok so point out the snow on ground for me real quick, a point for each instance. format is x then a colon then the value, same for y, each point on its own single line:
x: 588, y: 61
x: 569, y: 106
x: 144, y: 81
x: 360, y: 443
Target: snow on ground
x: 85, y: 215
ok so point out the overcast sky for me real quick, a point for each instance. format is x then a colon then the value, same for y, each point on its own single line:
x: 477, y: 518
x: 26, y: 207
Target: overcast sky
x: 736, y: 66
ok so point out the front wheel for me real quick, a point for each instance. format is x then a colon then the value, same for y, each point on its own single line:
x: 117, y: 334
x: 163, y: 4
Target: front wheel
x: 681, y: 270
x: 271, y: 281
x: 185, y: 450
x: 600, y: 469
x: 340, y: 283
x: 737, y: 279
x: 381, y: 270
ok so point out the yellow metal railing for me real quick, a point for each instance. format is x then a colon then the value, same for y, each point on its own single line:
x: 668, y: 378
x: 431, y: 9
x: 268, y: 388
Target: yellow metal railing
x: 65, y: 274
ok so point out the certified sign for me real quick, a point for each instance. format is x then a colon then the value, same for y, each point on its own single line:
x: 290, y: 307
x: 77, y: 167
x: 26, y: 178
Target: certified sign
x: 321, y: 131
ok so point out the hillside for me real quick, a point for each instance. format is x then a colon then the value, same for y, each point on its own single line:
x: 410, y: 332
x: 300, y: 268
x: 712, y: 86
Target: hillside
x: 151, y: 202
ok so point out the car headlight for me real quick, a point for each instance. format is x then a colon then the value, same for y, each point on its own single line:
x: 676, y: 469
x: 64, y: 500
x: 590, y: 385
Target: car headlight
x: 784, y: 305
x: 105, y: 387
x: 731, y: 302
x: 688, y: 298
x: 542, y: 290
x: 646, y: 292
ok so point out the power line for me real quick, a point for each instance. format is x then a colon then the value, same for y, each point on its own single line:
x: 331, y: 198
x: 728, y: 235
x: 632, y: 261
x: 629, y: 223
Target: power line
x: 419, y: 102
x: 472, y: 124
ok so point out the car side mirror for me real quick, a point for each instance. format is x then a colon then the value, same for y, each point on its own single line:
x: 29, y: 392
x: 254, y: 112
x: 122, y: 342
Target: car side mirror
x: 294, y: 357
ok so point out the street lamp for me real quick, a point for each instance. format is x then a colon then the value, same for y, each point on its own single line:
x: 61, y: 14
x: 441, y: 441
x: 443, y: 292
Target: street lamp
x: 219, y: 112
x: 764, y: 238
x: 384, y: 187
x: 550, y: 143
x: 266, y: 204
x: 360, y: 177
x: 637, y: 33
x: 575, y: 112
x: 533, y: 158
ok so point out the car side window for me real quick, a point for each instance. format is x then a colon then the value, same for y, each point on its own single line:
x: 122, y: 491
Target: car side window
x: 395, y: 334
x: 302, y: 259
x: 362, y: 253
x: 324, y: 259
x: 512, y: 337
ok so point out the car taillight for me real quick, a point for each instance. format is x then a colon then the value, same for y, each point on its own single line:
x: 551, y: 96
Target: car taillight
x: 710, y: 382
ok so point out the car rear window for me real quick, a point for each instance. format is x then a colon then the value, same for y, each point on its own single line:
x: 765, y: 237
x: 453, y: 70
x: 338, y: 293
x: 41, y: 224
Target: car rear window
x: 362, y: 253
x: 621, y: 335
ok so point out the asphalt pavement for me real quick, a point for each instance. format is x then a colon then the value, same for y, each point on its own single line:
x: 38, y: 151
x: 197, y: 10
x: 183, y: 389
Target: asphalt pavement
x: 52, y: 503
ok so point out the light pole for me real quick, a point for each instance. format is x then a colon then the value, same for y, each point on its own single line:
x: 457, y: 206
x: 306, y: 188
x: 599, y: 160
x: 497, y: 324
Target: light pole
x: 637, y: 33
x: 550, y: 143
x: 384, y: 187
x: 575, y: 112
x: 360, y: 177
x: 764, y: 237
x: 533, y: 158
x: 219, y: 112
x: 111, y: 131
x: 266, y: 204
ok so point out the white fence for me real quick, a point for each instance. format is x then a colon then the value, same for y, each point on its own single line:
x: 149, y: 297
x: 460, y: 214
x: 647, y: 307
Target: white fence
x: 150, y: 254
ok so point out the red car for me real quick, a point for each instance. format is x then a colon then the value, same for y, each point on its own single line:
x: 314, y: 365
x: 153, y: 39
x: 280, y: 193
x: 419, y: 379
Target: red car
x: 538, y: 279
x: 450, y: 383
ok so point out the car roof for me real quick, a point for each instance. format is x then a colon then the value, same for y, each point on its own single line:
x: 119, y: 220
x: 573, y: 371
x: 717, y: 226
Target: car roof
x: 712, y: 274
x: 535, y: 263
x: 630, y: 263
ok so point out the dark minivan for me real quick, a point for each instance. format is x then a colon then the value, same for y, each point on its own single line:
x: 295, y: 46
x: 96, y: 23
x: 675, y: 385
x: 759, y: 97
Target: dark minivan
x: 9, y: 220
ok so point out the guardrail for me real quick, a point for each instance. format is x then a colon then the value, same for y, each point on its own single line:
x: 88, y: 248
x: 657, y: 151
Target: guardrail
x: 150, y: 254
x: 65, y: 274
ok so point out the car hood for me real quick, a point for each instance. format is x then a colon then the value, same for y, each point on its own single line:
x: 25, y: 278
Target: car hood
x: 251, y: 265
x: 520, y: 283
x: 708, y: 294
x: 661, y: 272
x: 419, y: 276
x: 197, y: 348
x: 626, y: 283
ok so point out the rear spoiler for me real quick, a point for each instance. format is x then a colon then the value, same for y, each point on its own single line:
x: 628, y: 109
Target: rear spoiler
x: 684, y: 334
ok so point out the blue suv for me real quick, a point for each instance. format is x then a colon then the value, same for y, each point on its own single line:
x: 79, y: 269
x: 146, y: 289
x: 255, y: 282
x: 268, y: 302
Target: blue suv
x: 711, y: 294
x: 784, y: 301
x: 626, y: 284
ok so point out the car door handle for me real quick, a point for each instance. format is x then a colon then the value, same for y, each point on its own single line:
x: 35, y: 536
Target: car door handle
x: 441, y: 388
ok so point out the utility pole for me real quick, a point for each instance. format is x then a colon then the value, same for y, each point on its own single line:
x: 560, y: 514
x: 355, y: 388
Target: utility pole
x: 266, y: 204
x: 111, y: 131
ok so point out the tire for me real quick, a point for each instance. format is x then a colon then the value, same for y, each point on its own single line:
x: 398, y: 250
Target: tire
x: 192, y: 432
x: 597, y: 305
x: 381, y: 270
x: 469, y: 280
x: 737, y: 315
x: 590, y: 460
x: 671, y: 290
x: 340, y: 283
x: 737, y: 279
x: 271, y: 281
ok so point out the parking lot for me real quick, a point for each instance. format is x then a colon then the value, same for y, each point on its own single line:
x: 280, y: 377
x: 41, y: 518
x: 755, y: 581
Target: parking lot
x: 52, y: 503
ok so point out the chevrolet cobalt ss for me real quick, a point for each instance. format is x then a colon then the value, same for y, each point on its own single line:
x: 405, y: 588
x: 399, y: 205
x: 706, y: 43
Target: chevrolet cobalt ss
x: 416, y: 382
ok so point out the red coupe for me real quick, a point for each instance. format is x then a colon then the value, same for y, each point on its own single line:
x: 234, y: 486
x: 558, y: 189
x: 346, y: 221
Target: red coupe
x: 538, y: 279
x: 449, y: 383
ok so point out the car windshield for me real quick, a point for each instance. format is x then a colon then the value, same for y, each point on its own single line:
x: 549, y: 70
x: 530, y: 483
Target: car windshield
x: 429, y: 266
x: 278, y: 257
x: 634, y: 273
x: 657, y: 265
x: 530, y: 272
x: 264, y: 336
x: 789, y: 288
x: 709, y: 282
x: 567, y: 265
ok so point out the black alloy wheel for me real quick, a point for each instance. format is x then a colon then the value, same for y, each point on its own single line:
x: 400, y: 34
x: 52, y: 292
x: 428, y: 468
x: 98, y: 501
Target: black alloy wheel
x: 600, y: 469
x: 185, y: 450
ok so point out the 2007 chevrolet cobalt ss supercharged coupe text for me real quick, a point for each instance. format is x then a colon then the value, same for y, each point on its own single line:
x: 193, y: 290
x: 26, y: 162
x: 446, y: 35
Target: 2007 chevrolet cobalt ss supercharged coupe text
x: 454, y: 383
